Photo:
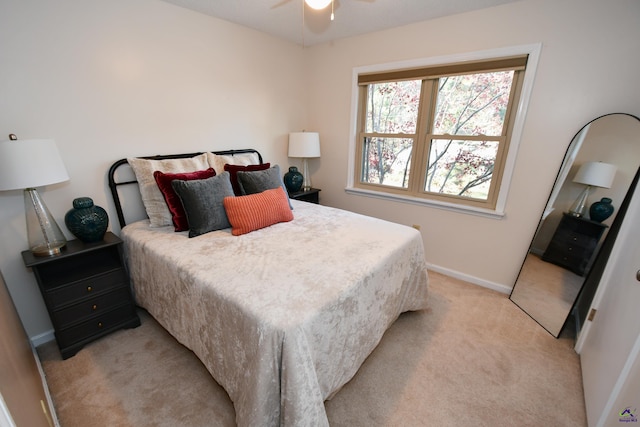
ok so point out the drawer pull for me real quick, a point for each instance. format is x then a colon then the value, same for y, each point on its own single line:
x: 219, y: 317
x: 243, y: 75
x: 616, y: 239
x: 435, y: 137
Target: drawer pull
x: 99, y: 324
x: 94, y: 307
x: 89, y: 288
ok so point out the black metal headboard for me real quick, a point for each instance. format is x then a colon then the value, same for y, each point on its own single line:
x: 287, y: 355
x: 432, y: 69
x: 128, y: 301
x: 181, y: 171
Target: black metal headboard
x: 113, y: 184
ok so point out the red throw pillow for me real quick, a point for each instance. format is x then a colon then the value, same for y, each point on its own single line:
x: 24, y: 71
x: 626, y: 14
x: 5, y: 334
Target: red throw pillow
x: 163, y: 180
x: 233, y: 173
x: 256, y: 211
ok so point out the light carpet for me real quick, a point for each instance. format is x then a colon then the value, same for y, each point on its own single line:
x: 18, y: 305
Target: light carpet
x: 472, y: 358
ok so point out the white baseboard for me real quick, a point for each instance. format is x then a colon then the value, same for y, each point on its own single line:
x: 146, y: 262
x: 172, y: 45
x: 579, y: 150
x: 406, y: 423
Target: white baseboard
x: 42, y: 338
x: 474, y: 280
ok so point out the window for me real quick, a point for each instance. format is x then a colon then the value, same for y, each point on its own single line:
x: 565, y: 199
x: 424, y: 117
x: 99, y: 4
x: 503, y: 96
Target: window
x: 439, y: 133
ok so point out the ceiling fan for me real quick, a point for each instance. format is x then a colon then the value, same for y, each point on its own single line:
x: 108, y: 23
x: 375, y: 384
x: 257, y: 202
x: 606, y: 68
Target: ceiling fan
x: 313, y: 4
x: 316, y: 4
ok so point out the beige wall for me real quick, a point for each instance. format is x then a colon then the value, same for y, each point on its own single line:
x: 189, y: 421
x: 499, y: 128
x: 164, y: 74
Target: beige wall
x: 586, y: 69
x: 115, y: 78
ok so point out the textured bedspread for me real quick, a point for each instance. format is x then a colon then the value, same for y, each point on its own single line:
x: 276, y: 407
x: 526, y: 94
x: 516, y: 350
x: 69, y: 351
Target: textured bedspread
x: 281, y: 317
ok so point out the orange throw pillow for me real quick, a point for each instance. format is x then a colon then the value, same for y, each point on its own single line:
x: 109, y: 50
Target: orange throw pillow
x: 256, y: 211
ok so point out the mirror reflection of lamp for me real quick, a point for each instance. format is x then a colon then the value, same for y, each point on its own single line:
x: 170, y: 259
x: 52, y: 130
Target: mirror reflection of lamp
x: 591, y: 174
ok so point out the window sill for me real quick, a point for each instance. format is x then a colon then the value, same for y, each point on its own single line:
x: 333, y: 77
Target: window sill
x: 469, y: 210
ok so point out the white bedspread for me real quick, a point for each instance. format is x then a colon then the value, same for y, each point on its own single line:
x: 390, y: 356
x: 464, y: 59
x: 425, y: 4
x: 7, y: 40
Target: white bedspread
x: 281, y: 317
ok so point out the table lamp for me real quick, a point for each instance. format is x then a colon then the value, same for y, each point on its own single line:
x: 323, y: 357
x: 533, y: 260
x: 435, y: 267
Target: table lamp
x: 591, y: 174
x: 27, y: 164
x: 304, y: 145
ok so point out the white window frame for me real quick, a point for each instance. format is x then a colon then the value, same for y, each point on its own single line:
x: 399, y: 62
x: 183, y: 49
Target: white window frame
x: 533, y: 50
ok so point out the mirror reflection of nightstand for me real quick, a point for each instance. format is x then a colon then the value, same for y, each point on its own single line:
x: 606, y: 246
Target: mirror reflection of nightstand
x: 311, y: 195
x: 574, y: 243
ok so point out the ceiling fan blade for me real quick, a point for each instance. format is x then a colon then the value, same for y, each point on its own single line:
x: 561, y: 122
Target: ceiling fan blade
x: 280, y: 3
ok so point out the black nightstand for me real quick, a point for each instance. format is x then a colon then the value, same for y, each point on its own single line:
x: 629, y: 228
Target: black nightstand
x: 574, y: 243
x: 311, y: 195
x: 86, y: 291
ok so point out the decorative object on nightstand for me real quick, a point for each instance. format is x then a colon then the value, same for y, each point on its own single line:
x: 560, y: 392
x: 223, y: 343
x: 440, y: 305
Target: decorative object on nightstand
x: 599, y: 211
x: 86, y: 291
x: 311, y: 195
x: 574, y: 243
x: 591, y: 174
x: 87, y: 221
x: 305, y: 145
x: 293, y: 180
x: 25, y: 165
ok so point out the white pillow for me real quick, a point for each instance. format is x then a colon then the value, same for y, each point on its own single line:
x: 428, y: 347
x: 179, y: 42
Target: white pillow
x: 152, y: 198
x: 217, y: 161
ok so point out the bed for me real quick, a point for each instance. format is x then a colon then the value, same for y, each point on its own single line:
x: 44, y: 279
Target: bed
x: 284, y: 315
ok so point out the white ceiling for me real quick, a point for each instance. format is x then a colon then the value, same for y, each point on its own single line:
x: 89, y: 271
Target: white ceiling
x: 284, y: 18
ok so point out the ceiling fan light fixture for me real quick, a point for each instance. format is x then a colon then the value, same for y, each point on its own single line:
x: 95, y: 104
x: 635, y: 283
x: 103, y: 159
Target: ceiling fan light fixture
x: 317, y: 4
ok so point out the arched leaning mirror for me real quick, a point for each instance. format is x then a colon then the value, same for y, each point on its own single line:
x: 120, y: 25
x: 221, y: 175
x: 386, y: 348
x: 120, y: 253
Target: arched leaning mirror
x: 599, y: 166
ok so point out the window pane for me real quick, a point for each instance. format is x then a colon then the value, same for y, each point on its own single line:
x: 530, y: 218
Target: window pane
x: 461, y: 168
x: 392, y: 107
x: 386, y: 161
x: 473, y: 104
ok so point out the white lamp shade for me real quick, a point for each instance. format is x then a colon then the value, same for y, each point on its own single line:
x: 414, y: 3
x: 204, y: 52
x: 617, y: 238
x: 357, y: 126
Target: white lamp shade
x: 30, y: 163
x: 317, y: 4
x: 596, y: 174
x: 304, y: 144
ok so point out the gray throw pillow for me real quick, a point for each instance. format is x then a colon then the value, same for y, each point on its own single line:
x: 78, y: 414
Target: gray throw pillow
x: 258, y: 181
x: 202, y: 200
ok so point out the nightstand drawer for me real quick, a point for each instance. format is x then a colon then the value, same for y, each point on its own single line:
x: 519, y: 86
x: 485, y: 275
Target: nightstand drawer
x: 96, y: 326
x: 90, y: 307
x: 65, y: 295
x: 569, y: 259
x: 570, y: 249
x: 574, y: 239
